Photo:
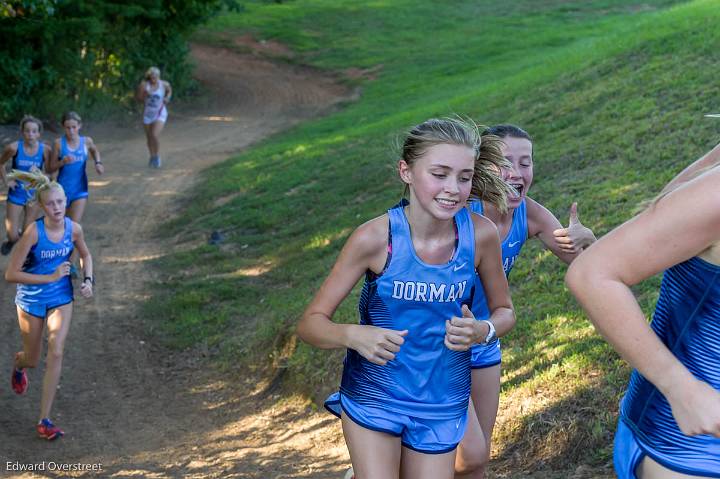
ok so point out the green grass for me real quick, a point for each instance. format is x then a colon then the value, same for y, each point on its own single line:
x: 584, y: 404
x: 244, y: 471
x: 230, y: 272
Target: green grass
x: 612, y: 91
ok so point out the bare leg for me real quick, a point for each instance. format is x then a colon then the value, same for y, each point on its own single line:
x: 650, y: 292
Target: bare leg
x: 474, y: 449
x: 58, y: 326
x: 416, y: 465
x: 374, y: 455
x: 31, y: 328
x: 76, y: 210
x: 149, y: 139
x: 12, y: 221
x: 32, y: 212
x: 649, y: 469
x: 155, y: 129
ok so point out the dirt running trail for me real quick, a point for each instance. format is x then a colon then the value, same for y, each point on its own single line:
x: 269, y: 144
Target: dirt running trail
x: 128, y: 404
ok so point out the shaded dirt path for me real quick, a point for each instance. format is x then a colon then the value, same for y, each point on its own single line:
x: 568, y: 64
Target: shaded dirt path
x: 127, y: 404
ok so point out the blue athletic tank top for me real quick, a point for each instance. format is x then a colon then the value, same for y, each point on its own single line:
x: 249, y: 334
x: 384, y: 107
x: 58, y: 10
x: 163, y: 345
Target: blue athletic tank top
x: 23, y: 162
x: 426, y: 379
x: 516, y: 236
x: 73, y: 176
x: 511, y: 246
x: 687, y: 321
x: 44, y: 258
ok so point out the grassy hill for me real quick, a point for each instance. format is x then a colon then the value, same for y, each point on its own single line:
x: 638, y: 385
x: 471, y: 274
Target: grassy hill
x: 613, y: 92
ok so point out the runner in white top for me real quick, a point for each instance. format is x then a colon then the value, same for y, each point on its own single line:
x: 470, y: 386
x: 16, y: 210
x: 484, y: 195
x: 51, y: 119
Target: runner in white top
x: 155, y: 94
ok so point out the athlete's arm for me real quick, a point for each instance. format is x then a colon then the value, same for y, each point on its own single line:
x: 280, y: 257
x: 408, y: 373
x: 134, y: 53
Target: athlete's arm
x: 462, y: 333
x: 141, y: 92
x: 47, y: 154
x: 492, y: 275
x: 543, y: 224
x: 55, y: 162
x: 95, y: 154
x: 670, y: 231
x: 168, y: 92
x: 14, y: 272
x: 86, y: 263
x: 9, y: 151
x: 709, y: 158
x: 365, y: 249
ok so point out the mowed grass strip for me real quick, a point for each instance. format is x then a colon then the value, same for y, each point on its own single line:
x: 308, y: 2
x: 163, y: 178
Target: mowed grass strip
x: 613, y: 93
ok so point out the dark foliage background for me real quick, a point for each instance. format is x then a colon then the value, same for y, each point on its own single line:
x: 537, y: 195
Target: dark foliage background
x: 89, y: 55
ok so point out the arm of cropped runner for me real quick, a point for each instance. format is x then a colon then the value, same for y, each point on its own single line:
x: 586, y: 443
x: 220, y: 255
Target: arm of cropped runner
x: 86, y: 262
x: 543, y: 224
x: 168, y: 92
x: 14, y: 272
x: 462, y: 332
x: 8, y: 152
x: 95, y: 154
x: 708, y: 159
x: 669, y: 232
x: 365, y: 249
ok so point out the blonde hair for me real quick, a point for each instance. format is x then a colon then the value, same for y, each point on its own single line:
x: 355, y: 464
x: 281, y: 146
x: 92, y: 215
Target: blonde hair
x: 487, y: 182
x: 150, y: 72
x: 30, y: 119
x: 37, y: 180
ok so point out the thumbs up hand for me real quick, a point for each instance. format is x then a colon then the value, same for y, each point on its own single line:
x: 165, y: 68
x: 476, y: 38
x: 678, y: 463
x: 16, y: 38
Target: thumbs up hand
x: 576, y: 236
x: 461, y: 333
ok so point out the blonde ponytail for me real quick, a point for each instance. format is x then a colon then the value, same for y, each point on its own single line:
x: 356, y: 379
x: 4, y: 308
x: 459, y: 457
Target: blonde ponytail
x: 35, y: 179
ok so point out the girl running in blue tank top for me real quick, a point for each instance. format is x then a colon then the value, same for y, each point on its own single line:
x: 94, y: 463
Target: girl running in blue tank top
x: 524, y: 219
x: 25, y: 154
x: 40, y: 265
x: 406, y: 380
x: 669, y: 423
x: 69, y: 158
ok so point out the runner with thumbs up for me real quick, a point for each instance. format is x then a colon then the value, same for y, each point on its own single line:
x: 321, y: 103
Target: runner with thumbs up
x: 525, y: 218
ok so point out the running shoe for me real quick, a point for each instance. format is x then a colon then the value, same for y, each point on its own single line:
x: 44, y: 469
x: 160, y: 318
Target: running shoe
x: 350, y: 474
x: 47, y: 430
x: 154, y: 162
x: 6, y: 247
x: 19, y: 381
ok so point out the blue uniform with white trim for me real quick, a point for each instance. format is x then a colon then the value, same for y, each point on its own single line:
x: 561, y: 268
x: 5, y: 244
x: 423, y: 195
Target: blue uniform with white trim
x: 687, y: 321
x: 23, y: 162
x: 487, y: 355
x: 422, y: 395
x: 44, y: 257
x: 73, y: 176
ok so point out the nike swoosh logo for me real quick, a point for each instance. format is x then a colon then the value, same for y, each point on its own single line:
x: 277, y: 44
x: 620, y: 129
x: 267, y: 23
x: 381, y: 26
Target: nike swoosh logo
x: 457, y: 267
x: 512, y: 245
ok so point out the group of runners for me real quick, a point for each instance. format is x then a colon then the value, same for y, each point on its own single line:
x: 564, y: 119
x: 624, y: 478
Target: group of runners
x: 421, y: 380
x: 46, y: 200
x: 420, y: 386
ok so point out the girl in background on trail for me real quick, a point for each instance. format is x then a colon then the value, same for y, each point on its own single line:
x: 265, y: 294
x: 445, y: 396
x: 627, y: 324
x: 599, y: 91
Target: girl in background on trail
x: 669, y: 424
x: 404, y: 394
x: 25, y: 153
x: 155, y: 94
x: 524, y: 218
x: 69, y: 158
x: 40, y: 265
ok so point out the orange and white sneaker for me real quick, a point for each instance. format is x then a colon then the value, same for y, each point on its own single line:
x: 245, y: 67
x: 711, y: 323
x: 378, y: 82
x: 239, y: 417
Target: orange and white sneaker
x: 47, y: 430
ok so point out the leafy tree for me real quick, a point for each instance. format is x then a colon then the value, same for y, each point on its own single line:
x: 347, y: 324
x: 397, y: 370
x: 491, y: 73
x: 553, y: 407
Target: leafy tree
x: 90, y: 54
